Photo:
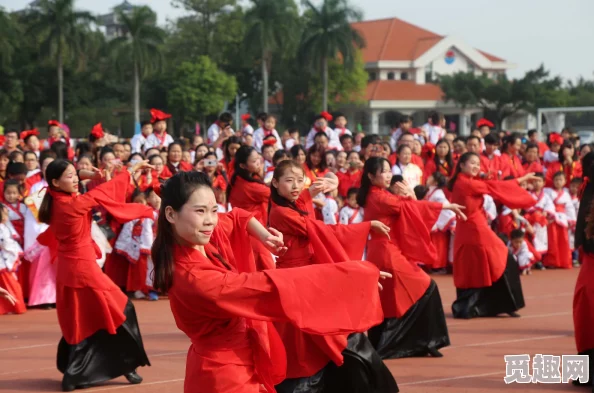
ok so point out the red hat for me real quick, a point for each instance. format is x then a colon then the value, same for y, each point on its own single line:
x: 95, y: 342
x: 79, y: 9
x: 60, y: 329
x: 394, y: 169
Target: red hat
x: 555, y: 137
x: 246, y: 116
x: 428, y: 150
x: 97, y: 131
x: 326, y: 116
x: 484, y: 122
x: 157, y: 115
x: 54, y: 123
x: 28, y: 133
x: 271, y: 141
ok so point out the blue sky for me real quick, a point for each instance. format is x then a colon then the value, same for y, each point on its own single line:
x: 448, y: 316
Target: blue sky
x: 558, y: 33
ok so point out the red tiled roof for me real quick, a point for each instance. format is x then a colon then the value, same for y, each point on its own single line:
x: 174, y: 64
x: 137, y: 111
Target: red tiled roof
x: 398, y: 90
x: 397, y: 40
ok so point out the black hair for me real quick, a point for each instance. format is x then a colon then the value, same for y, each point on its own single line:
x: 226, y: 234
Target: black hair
x: 16, y: 168
x: 145, y: 123
x: 321, y: 135
x: 405, y: 119
x: 137, y: 192
x: 557, y: 174
x: 315, y: 149
x: 463, y: 159
x: 539, y: 175
x: 241, y: 158
x: 585, y: 222
x: 509, y: 177
x: 61, y: 149
x: 345, y: 137
x: 516, y: 234
x: 531, y: 132
x: 491, y: 139
x: 566, y: 145
x: 279, y: 155
x: 151, y: 158
x: 11, y: 131
x: 396, y: 179
x: 262, y: 116
x: 434, y: 116
x: 372, y: 139
x: 509, y: 141
x: 440, y: 179
x: 12, y: 155
x: 473, y: 137
x: 176, y: 143
x: 136, y: 154
x: 372, y: 166
x: 54, y: 171
x: 175, y: 193
x: 531, y: 145
x: 351, y: 191
x: 82, y: 148
x: 275, y: 197
x: 230, y: 141
x: 420, y: 192
x: 460, y: 139
x: 29, y: 137
x: 448, y: 158
x: 10, y: 183
x: 576, y: 180
x: 104, y: 150
x: 225, y: 117
x: 29, y: 153
x: 296, y: 149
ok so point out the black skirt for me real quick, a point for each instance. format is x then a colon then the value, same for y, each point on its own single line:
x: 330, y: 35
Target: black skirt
x: 103, y: 356
x: 503, y: 297
x: 421, y: 329
x: 362, y: 371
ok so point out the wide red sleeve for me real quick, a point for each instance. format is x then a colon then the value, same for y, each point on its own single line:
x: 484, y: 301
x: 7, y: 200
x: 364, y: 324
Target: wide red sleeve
x: 111, y: 195
x: 232, y: 240
x: 509, y: 193
x: 337, y: 243
x: 245, y: 192
x: 288, y: 221
x: 332, y: 299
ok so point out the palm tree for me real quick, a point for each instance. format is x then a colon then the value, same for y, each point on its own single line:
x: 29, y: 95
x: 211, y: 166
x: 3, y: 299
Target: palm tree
x: 270, y: 26
x: 62, y: 30
x: 141, y: 45
x: 327, y: 33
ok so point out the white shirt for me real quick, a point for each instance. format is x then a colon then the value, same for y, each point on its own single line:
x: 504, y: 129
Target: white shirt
x: 434, y: 133
x: 410, y: 172
x: 348, y: 215
x: 259, y: 136
x: 153, y: 141
x: 248, y: 129
x: 394, y: 138
x: 330, y: 211
x: 333, y: 143
x: 9, y: 247
x: 137, y: 143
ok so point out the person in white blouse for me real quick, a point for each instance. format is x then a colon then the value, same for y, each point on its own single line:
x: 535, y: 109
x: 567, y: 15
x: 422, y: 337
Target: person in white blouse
x: 321, y: 125
x: 432, y: 130
x: 267, y: 129
x: 139, y: 140
x: 159, y: 139
x: 404, y: 125
x: 411, y: 173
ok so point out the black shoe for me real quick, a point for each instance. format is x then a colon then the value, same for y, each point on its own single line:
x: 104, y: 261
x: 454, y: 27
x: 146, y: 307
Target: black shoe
x: 67, y: 386
x: 513, y: 314
x: 435, y: 353
x: 133, y: 378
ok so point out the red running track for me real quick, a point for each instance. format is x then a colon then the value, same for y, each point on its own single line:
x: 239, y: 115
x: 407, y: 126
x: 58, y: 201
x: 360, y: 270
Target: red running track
x: 473, y: 363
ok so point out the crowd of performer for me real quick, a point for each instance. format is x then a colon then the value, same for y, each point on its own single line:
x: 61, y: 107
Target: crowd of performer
x: 278, y: 291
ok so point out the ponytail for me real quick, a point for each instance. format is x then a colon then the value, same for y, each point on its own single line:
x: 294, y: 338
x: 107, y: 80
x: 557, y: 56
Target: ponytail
x: 463, y: 159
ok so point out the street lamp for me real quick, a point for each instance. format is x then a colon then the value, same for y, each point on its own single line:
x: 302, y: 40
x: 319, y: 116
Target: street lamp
x: 237, y: 97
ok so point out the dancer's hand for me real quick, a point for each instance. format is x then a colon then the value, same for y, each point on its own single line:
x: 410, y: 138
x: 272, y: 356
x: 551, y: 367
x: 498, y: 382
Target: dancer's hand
x: 456, y: 209
x: 93, y: 174
x: 527, y: 177
x: 383, y: 276
x: 380, y: 227
x: 275, y: 243
x: 140, y: 165
x: 4, y: 294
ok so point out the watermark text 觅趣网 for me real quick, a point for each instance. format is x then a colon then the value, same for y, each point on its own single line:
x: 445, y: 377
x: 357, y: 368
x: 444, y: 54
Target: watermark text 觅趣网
x: 546, y: 368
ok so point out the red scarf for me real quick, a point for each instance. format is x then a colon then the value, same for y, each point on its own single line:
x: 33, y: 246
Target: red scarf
x: 161, y: 139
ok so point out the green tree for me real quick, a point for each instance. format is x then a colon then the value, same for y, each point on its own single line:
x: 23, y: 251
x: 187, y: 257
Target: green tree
x: 62, y: 30
x: 199, y: 89
x: 141, y: 46
x: 327, y: 34
x: 270, y: 25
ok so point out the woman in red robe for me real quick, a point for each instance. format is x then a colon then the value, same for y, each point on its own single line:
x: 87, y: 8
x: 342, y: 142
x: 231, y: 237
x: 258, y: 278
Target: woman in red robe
x: 568, y: 164
x: 226, y: 307
x: 101, y: 339
x: 174, y: 159
x: 485, y: 274
x: 312, y: 360
x: 510, y: 157
x: 248, y: 192
x: 583, y: 297
x: 441, y: 161
x: 315, y: 164
x: 414, y: 323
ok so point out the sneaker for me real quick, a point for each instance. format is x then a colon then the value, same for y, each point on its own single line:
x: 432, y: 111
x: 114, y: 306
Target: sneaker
x: 153, y: 296
x: 539, y: 266
x: 139, y: 295
x: 576, y: 263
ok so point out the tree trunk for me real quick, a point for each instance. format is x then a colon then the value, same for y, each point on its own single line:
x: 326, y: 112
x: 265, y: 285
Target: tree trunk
x: 136, y: 95
x: 264, y: 84
x: 325, y: 82
x: 60, y: 86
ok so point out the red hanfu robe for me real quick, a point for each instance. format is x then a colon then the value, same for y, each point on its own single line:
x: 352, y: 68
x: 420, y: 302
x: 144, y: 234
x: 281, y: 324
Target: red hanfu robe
x: 559, y: 253
x: 480, y: 256
x: 86, y: 299
x: 571, y: 171
x: 226, y: 309
x: 431, y: 168
x: 311, y: 242
x: 583, y: 298
x: 513, y: 164
x: 253, y: 197
x: 533, y: 167
x: 182, y: 166
x: 494, y: 168
x: 410, y: 222
x: 347, y: 180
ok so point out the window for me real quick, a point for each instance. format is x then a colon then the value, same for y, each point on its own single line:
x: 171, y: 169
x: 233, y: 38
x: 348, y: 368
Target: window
x: 390, y: 76
x: 372, y: 76
x: 429, y: 73
x: 471, y: 67
x: 404, y: 76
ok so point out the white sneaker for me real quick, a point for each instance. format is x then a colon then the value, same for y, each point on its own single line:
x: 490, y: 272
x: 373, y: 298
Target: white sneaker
x: 139, y: 295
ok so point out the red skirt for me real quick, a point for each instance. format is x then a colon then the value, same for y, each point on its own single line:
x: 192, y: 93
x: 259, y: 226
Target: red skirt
x: 116, y: 267
x: 23, y: 275
x: 10, y: 283
x: 441, y: 241
x: 559, y: 254
x: 137, y: 275
x: 583, y: 302
x: 408, y: 284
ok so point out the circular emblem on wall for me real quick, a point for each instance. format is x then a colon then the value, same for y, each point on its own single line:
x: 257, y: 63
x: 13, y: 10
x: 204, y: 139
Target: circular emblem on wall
x: 450, y: 57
